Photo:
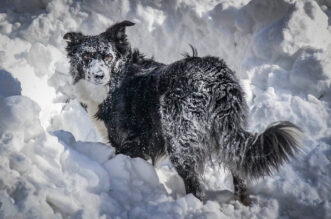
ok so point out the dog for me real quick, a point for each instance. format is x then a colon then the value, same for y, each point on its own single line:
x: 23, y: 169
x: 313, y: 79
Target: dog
x: 192, y: 110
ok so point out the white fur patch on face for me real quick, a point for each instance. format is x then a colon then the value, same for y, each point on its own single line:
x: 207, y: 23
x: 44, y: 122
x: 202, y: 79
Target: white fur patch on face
x: 98, y: 72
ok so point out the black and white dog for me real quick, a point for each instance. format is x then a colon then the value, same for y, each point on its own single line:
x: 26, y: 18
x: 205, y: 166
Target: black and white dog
x: 193, y: 110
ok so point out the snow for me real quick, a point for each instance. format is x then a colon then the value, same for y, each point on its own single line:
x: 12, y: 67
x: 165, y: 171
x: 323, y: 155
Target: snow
x: 52, y: 164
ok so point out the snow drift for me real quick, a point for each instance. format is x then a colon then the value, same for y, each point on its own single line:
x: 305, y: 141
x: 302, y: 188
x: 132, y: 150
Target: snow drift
x: 51, y: 163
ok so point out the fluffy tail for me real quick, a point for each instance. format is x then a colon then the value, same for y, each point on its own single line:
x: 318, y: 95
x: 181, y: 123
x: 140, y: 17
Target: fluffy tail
x: 260, y: 154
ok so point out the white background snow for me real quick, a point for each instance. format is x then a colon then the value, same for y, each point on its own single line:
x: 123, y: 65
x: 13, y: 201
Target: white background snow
x: 51, y: 164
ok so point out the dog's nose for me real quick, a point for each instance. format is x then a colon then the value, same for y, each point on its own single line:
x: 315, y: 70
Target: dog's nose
x: 100, y: 76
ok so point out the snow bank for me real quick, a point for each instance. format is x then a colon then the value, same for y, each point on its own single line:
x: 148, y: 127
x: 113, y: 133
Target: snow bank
x: 51, y: 163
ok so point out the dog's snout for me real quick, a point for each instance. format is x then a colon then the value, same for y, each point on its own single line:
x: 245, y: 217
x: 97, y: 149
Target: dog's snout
x: 98, y: 75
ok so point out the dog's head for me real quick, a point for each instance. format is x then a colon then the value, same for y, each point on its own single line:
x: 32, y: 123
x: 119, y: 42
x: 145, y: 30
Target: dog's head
x: 96, y: 58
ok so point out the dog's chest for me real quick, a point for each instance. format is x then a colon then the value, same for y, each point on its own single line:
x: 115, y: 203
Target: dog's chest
x: 93, y: 95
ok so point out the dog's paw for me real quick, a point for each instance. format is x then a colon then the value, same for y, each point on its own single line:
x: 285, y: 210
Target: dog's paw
x: 246, y: 200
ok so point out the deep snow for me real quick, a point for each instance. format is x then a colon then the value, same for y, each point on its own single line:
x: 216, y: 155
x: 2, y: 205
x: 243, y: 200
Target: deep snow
x: 51, y: 164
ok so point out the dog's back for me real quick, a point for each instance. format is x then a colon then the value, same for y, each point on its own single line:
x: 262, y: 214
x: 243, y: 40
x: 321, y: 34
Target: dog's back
x: 203, y: 103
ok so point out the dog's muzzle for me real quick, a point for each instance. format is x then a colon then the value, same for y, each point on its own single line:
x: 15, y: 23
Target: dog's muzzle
x: 98, y: 72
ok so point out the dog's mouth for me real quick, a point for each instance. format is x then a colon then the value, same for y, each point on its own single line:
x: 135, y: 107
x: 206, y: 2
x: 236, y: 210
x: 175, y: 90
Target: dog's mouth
x: 99, y: 81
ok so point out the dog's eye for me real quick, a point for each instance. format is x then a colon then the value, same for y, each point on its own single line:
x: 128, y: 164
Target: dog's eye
x: 108, y: 57
x: 86, y: 56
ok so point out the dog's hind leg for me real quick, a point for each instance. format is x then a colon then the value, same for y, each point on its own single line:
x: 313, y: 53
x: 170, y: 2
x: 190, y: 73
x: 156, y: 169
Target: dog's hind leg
x: 186, y: 135
x: 187, y: 154
x: 240, y: 190
x: 187, y: 168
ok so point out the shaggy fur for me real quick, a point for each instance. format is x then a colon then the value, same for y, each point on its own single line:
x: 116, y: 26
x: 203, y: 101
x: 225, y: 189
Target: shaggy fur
x: 192, y: 110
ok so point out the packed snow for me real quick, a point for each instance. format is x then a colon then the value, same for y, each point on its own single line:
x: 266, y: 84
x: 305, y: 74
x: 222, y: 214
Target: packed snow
x: 52, y: 164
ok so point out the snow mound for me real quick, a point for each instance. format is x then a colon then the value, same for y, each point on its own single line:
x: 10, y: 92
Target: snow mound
x: 52, y: 164
x: 9, y: 86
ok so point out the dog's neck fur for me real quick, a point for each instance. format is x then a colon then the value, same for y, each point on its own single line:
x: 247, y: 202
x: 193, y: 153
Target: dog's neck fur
x: 133, y: 63
x: 93, y: 95
x: 137, y: 58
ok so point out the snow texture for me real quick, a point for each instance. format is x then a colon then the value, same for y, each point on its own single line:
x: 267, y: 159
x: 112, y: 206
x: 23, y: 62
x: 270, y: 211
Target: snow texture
x: 51, y: 164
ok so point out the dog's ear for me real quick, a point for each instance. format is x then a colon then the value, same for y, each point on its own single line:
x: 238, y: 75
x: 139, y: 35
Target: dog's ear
x: 73, y: 38
x: 117, y: 31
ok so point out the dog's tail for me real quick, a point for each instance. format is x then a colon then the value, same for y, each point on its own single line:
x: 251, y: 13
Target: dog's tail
x: 258, y: 155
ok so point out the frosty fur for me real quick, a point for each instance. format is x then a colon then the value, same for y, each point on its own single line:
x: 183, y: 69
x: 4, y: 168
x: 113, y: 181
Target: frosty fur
x: 193, y: 110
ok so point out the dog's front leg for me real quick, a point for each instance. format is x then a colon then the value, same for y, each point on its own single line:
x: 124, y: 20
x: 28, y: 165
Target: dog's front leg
x: 133, y: 147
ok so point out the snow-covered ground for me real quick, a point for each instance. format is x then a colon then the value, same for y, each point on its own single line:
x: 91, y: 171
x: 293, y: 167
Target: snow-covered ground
x: 51, y: 164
